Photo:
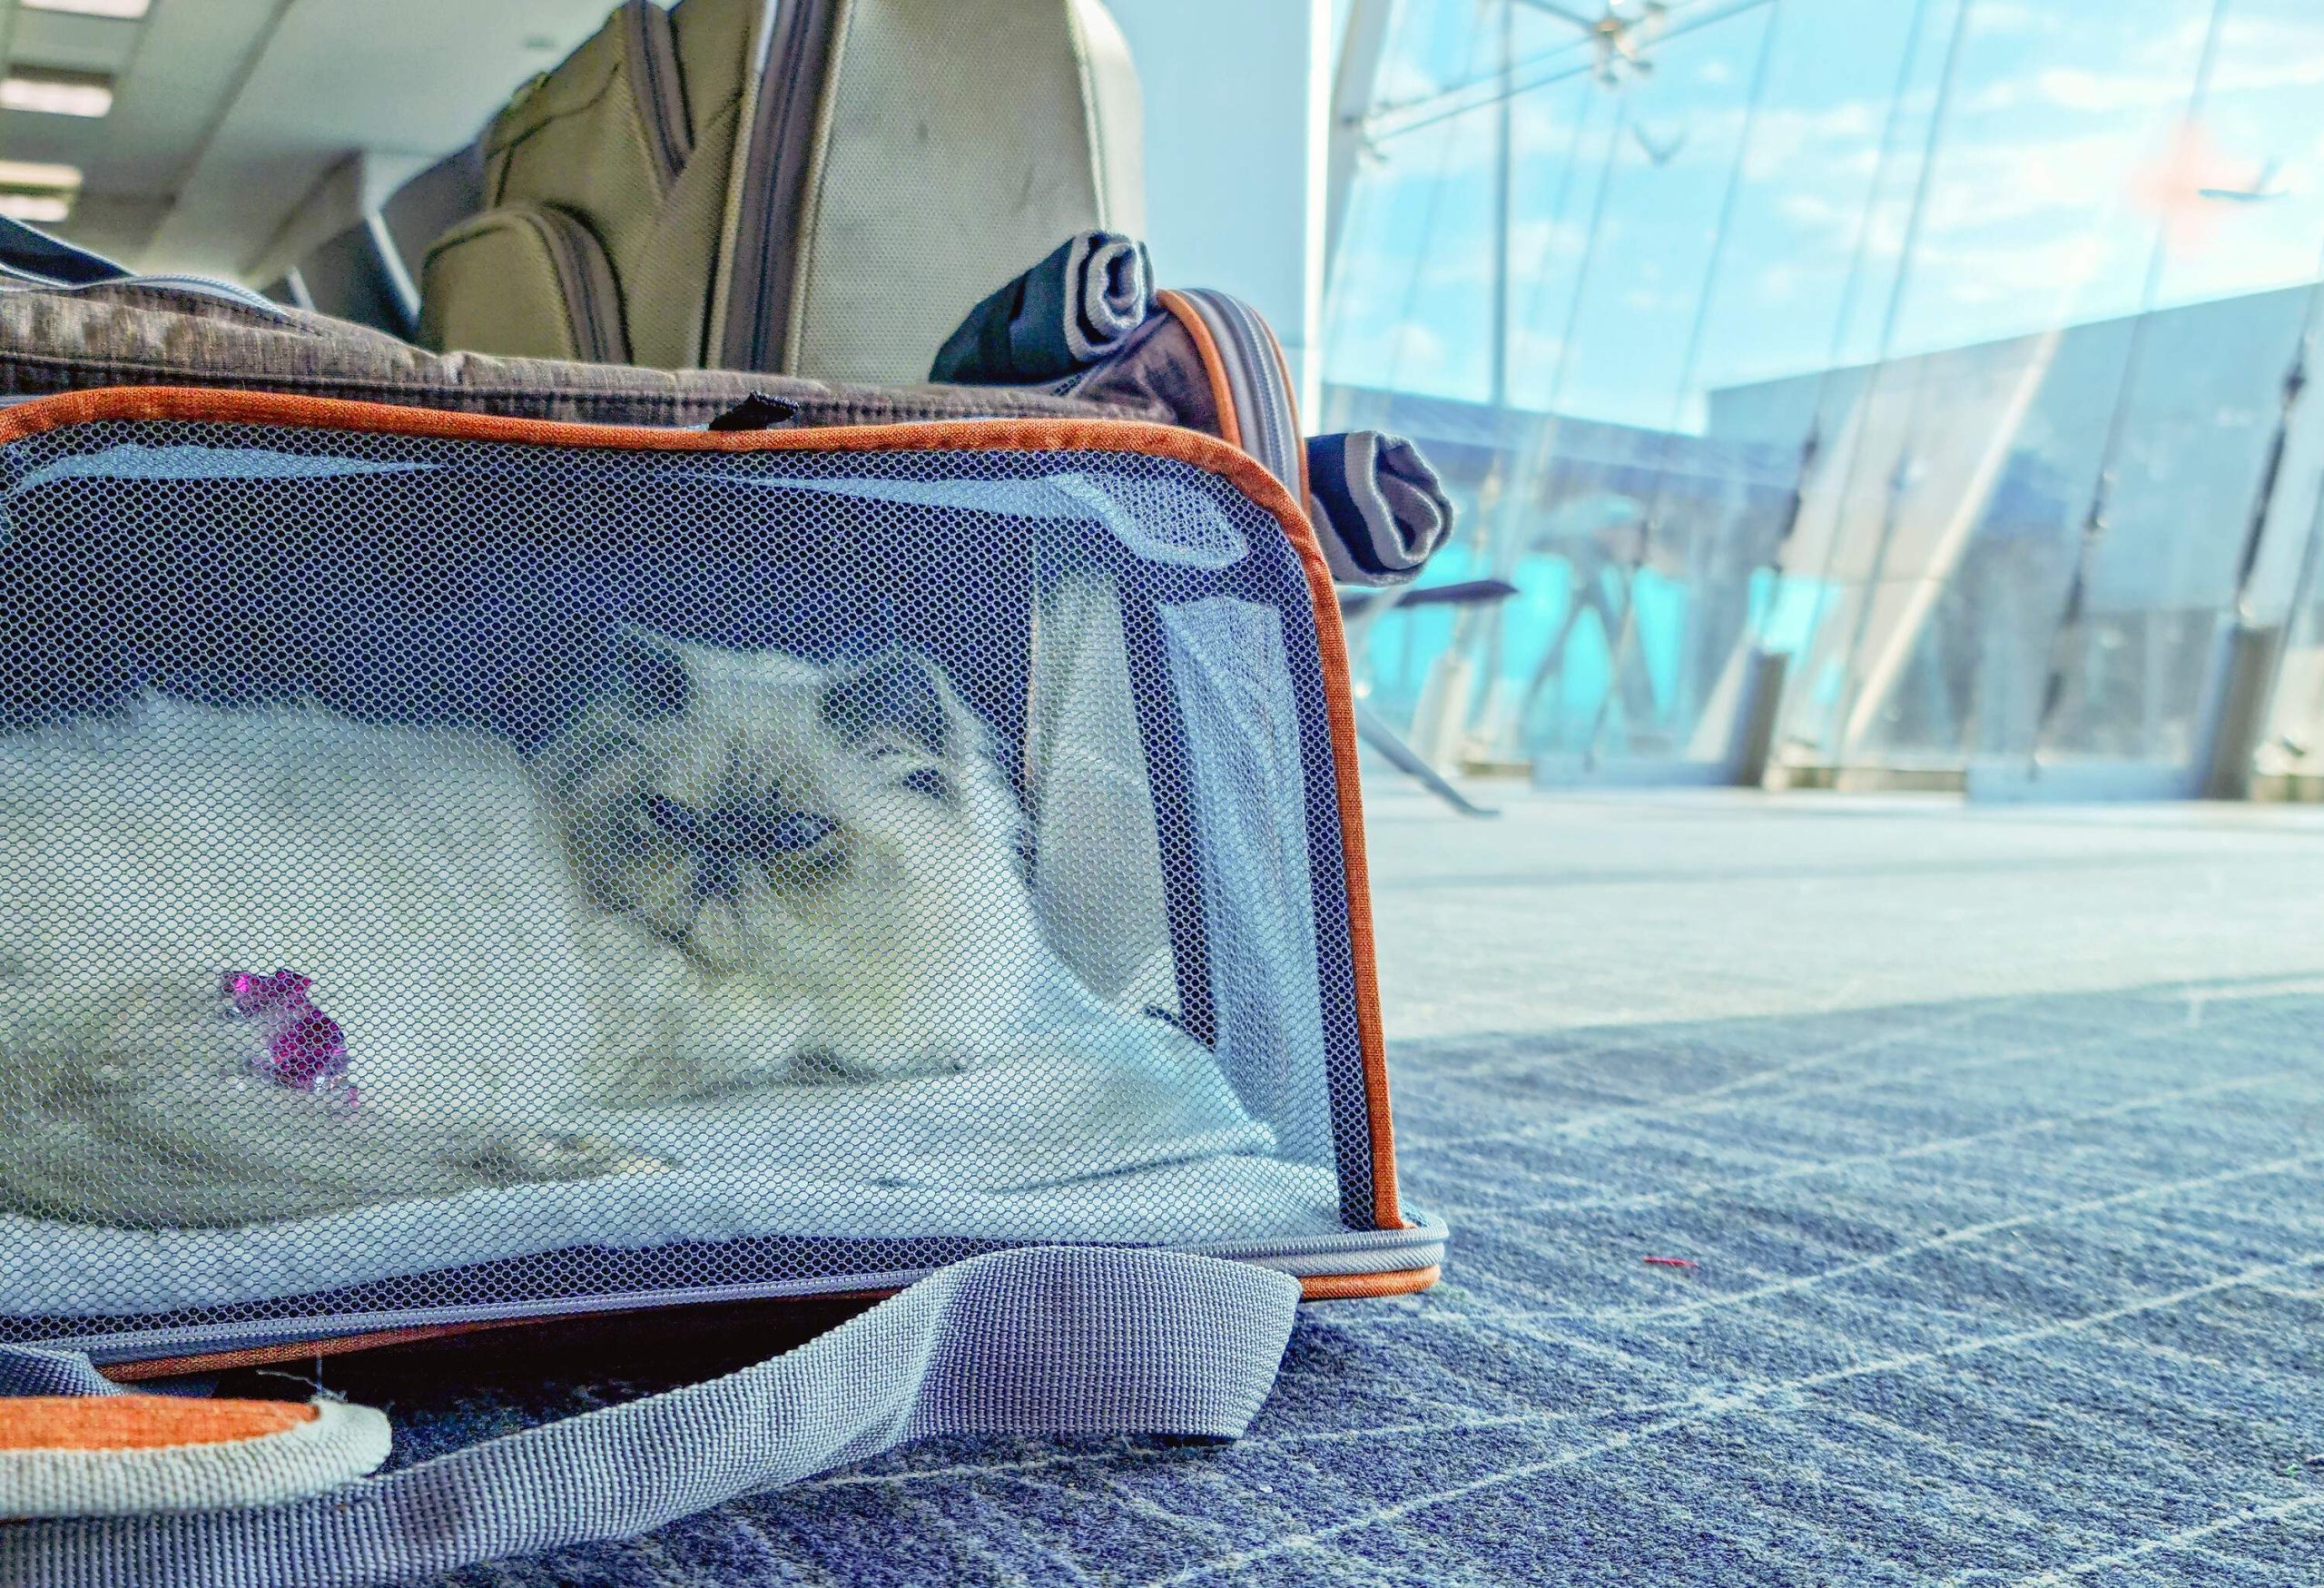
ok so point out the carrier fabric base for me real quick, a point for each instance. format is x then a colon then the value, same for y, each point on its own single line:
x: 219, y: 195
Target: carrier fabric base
x: 1136, y: 620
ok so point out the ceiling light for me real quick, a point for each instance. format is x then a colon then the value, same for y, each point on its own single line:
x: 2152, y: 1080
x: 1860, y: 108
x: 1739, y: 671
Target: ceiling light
x: 126, y: 10
x: 45, y: 207
x: 38, y: 173
x: 55, y: 94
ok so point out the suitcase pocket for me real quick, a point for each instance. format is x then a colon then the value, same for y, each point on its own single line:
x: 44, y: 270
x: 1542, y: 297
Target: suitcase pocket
x: 525, y: 280
x: 614, y: 113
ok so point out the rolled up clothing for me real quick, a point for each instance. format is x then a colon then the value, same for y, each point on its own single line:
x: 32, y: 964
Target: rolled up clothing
x: 1068, y: 311
x: 1382, y: 510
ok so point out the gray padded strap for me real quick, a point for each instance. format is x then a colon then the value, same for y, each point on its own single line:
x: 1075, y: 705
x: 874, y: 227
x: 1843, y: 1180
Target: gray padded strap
x: 1041, y: 1341
x: 28, y: 1370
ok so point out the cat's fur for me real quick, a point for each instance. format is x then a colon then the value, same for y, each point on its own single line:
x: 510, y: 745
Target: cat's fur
x: 734, y: 868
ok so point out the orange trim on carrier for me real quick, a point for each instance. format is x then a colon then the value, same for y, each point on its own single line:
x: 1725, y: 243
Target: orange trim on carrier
x: 138, y: 1371
x: 1350, y: 1287
x: 1311, y: 1287
x: 1221, y: 458
x: 141, y: 1422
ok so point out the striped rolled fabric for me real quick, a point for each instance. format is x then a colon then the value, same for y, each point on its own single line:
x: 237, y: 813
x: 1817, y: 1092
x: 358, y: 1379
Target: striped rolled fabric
x: 1382, y: 510
x: 1068, y: 311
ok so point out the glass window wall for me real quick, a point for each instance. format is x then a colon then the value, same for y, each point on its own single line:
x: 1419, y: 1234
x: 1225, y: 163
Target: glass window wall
x: 1938, y: 346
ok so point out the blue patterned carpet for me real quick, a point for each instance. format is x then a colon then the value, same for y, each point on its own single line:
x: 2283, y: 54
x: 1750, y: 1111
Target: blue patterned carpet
x: 1996, y: 1139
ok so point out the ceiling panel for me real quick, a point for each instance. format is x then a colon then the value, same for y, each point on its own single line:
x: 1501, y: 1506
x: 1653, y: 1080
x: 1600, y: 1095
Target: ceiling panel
x: 83, y: 44
x: 115, y: 227
x: 183, y: 61
x: 227, y: 112
x: 329, y: 80
x: 174, y: 87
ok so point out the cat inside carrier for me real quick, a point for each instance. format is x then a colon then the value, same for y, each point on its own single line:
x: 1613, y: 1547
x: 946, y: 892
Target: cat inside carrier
x: 457, y: 869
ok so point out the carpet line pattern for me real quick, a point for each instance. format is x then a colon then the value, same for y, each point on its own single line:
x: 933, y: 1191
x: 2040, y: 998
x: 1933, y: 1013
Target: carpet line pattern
x: 1715, y: 1407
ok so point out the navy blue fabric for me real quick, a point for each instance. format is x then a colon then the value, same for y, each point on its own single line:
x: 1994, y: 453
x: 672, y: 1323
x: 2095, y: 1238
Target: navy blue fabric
x: 34, y: 254
x: 1055, y: 319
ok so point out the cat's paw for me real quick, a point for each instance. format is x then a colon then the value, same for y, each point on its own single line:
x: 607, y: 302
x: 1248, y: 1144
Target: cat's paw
x: 834, y: 1062
x: 536, y: 1156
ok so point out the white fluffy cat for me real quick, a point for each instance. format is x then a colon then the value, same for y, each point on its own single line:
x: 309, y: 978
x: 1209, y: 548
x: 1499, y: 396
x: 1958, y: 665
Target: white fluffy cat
x: 736, y: 868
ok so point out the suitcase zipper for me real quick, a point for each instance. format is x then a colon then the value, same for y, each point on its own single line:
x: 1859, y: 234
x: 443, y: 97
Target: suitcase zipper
x: 775, y: 151
x: 585, y: 283
x: 654, y: 79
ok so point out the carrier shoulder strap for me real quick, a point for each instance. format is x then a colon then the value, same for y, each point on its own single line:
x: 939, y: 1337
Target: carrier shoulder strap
x: 1036, y: 1340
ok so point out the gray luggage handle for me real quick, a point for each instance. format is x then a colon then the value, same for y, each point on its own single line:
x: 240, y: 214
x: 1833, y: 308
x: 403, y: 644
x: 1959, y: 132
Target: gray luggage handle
x: 1036, y: 1340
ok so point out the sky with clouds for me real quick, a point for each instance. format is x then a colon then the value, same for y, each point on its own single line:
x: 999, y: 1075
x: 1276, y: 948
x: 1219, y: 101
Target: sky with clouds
x: 1801, y: 183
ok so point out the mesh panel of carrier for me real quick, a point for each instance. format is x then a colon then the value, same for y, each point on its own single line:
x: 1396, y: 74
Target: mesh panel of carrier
x: 451, y: 878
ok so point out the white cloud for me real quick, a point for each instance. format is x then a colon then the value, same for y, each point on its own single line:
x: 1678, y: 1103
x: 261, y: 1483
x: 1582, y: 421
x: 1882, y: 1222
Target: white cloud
x: 2008, y: 18
x: 1847, y: 135
x: 2073, y: 180
x: 2255, y: 54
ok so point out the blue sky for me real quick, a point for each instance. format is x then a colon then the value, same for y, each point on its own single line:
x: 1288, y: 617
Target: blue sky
x: 2062, y: 153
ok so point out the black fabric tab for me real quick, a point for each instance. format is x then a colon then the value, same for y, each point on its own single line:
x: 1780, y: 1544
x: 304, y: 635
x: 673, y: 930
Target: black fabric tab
x: 758, y: 411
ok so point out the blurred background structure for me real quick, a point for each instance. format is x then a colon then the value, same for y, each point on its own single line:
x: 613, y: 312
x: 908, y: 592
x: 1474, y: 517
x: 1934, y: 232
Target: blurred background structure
x: 1905, y: 394
x: 1892, y: 393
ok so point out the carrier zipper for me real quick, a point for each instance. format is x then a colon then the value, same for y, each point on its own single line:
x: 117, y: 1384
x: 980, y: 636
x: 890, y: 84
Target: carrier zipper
x: 1264, y: 407
x: 660, y: 89
x: 195, y: 286
x: 32, y: 261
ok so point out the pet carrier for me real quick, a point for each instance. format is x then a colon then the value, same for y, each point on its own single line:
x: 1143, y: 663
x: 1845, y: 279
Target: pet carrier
x: 457, y: 868
x: 460, y: 868
x: 459, y: 865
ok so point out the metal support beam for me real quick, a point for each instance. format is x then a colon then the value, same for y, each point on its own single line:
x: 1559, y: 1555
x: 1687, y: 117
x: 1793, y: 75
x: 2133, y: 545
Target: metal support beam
x: 2242, y: 721
x: 1353, y: 81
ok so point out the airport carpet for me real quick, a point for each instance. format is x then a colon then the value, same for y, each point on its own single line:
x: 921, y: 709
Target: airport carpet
x: 1985, y: 1147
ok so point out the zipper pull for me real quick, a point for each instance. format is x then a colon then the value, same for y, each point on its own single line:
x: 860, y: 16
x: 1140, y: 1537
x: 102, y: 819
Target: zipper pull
x: 758, y: 411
